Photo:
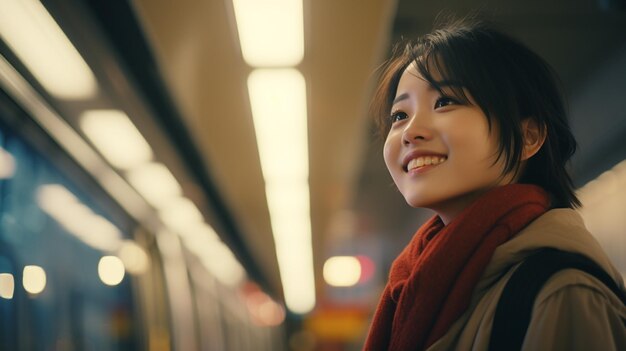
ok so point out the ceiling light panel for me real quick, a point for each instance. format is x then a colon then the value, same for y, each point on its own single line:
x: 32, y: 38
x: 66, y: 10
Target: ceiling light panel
x: 155, y: 183
x: 279, y: 111
x: 181, y: 214
x: 278, y: 101
x: 271, y: 32
x: 116, y: 137
x: 38, y: 41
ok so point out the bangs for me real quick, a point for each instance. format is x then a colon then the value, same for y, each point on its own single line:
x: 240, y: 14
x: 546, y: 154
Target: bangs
x: 434, y: 61
x: 434, y: 68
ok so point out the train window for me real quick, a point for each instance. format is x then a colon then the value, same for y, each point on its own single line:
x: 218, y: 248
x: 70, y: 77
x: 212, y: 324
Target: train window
x: 61, y: 286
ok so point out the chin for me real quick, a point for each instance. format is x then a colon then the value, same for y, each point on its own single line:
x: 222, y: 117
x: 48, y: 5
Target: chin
x: 419, y: 201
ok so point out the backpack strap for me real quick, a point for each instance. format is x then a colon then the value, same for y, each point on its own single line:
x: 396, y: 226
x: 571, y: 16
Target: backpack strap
x: 515, y: 306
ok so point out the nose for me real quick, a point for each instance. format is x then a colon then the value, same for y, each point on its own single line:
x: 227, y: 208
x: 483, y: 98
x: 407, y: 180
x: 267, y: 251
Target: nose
x: 416, y: 130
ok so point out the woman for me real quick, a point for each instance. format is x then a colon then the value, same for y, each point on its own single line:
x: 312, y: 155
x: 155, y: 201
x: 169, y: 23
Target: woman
x: 477, y: 131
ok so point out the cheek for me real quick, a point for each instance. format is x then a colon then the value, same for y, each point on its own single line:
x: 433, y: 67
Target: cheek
x: 389, y: 151
x: 471, y: 142
x: 477, y: 157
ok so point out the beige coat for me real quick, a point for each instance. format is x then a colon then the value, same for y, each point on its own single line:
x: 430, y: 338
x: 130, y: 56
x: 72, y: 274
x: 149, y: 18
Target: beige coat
x: 573, y: 311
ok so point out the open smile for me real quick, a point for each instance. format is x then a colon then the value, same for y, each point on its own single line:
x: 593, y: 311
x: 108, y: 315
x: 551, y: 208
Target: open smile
x: 424, y: 161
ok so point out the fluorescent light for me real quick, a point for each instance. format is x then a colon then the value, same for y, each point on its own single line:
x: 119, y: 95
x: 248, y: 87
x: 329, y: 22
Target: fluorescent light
x: 215, y: 256
x: 298, y: 281
x: 34, y: 279
x: 111, y: 270
x: 220, y: 261
x: 291, y: 225
x: 342, y: 271
x: 279, y: 111
x: 78, y: 219
x: 180, y: 214
x: 278, y: 100
x: 288, y: 202
x: 73, y: 143
x: 271, y: 32
x: 34, y: 36
x: 155, y: 183
x: 199, y: 230
x: 116, y: 137
x: 99, y: 233
x: 7, y: 285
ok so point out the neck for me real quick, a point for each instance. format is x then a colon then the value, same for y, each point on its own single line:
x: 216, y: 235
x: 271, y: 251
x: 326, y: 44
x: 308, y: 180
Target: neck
x: 450, y: 209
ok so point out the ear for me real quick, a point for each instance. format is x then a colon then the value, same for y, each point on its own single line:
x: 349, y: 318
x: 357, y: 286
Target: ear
x: 534, y: 137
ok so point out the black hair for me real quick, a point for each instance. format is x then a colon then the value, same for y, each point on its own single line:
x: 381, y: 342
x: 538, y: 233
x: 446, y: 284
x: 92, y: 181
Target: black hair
x: 510, y: 84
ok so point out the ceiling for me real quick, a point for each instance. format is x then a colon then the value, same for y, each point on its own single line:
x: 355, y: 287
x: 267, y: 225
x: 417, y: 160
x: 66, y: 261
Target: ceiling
x: 198, y: 50
x: 352, y: 198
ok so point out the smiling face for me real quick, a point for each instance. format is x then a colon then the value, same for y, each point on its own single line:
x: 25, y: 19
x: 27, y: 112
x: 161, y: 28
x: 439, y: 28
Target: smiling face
x: 439, y: 150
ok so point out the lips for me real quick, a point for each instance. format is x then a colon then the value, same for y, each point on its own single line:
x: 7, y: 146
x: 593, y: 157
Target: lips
x: 419, y: 159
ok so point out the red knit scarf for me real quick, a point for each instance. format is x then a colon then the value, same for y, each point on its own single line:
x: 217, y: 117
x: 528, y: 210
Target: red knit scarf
x: 431, y: 282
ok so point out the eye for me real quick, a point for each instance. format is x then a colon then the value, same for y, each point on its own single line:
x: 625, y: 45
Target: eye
x: 445, y: 101
x: 397, y: 116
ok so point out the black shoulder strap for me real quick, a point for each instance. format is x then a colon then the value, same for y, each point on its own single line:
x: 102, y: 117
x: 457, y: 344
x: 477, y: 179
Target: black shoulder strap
x: 515, y: 306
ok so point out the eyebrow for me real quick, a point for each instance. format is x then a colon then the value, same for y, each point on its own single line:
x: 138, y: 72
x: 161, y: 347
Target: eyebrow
x: 400, y: 98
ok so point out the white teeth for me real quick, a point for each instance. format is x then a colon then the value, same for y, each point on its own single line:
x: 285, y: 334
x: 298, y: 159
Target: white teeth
x: 425, y: 161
